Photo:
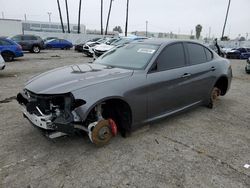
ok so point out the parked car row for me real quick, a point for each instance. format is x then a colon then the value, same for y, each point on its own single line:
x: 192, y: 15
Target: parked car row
x: 98, y: 46
x: 13, y: 47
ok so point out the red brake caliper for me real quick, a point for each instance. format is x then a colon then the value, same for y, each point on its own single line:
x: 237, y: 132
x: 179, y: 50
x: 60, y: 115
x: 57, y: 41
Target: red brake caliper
x: 113, y: 127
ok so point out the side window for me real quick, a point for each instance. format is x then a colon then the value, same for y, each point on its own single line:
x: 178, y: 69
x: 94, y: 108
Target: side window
x: 33, y: 38
x: 26, y: 37
x: 171, y: 57
x: 16, y: 38
x: 5, y: 43
x: 196, y: 53
x: 208, y: 54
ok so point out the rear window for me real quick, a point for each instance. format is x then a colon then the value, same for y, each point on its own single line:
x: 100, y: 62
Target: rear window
x: 197, y: 53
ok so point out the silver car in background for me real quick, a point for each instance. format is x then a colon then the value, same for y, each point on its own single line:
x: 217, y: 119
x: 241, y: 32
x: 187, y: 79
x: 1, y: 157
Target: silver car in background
x: 128, y: 86
x: 2, y: 63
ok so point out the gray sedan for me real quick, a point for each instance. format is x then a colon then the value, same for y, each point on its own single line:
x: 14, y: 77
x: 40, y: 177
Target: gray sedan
x: 128, y: 86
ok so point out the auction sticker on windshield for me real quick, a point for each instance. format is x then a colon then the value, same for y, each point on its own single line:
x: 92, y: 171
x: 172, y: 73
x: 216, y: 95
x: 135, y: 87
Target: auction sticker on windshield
x: 144, y: 50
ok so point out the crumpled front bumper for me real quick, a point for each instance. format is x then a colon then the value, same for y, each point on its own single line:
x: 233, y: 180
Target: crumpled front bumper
x: 46, y: 121
x: 43, y: 122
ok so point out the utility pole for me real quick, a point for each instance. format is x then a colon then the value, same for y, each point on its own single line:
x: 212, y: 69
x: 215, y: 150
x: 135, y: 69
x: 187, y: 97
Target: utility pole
x: 49, y: 13
x: 60, y: 14
x: 25, y: 17
x: 101, y: 17
x: 110, y: 6
x: 223, y: 31
x: 79, y: 16
x: 146, y: 28
x: 67, y: 11
x: 126, y: 25
x: 3, y: 15
x: 209, y: 35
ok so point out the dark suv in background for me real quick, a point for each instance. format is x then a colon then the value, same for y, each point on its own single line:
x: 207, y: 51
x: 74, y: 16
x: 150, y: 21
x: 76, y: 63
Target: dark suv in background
x: 30, y: 43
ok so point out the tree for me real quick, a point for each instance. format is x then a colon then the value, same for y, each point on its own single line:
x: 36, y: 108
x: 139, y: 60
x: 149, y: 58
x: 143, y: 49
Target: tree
x: 225, y: 38
x: 198, y: 30
x: 107, y: 24
x: 118, y: 29
x: 101, y: 17
x: 242, y: 39
x: 126, y: 24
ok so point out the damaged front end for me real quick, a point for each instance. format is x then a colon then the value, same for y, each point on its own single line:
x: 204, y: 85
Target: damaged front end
x: 50, y: 112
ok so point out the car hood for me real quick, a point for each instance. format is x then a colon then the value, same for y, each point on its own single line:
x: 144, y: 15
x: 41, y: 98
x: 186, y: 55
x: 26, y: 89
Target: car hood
x: 104, y: 47
x: 70, y: 78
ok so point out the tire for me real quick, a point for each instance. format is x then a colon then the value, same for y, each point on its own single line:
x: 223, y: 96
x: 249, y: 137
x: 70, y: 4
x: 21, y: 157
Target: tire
x: 8, y: 56
x: 36, y: 49
x: 247, y: 71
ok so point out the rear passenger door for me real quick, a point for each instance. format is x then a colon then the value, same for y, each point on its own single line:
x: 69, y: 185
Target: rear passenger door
x: 202, y: 70
x: 167, y: 82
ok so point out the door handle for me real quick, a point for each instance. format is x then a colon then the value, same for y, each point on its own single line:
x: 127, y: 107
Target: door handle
x: 212, y: 69
x: 186, y: 75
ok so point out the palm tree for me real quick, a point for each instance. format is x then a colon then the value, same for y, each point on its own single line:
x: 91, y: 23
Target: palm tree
x: 101, y: 17
x: 126, y: 25
x: 198, y: 30
x: 110, y: 5
x: 60, y: 14
x: 222, y: 36
x: 67, y: 11
x: 79, y: 16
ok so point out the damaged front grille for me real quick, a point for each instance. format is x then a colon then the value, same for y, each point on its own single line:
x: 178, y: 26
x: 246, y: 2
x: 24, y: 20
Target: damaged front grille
x: 55, y: 109
x: 46, y: 104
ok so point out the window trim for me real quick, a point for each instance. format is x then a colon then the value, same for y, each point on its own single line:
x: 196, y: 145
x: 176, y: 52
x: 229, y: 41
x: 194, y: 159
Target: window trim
x: 188, y: 54
x: 156, y: 60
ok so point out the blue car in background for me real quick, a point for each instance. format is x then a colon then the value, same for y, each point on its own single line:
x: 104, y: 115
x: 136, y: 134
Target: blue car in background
x: 58, y: 43
x: 10, y: 49
x: 238, y: 53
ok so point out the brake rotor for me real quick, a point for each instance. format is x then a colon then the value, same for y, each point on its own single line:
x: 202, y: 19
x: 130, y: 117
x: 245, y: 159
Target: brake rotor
x: 215, y: 94
x: 102, y: 133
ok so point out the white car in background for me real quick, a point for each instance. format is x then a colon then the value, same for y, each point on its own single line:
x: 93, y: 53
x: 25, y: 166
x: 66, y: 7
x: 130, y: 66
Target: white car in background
x: 2, y: 63
x: 88, y: 47
x: 103, y: 48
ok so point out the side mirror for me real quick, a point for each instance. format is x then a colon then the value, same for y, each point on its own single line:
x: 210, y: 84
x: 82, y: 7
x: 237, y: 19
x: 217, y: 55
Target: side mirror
x: 248, y: 60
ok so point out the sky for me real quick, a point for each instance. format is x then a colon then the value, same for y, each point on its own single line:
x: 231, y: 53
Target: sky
x: 179, y: 17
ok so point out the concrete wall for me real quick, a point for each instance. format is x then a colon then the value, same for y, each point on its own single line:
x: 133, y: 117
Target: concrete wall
x: 74, y: 38
x: 10, y: 27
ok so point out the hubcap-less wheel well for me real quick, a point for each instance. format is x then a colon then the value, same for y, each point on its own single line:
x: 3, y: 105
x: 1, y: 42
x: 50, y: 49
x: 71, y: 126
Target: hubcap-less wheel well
x: 117, y: 110
x: 222, y: 84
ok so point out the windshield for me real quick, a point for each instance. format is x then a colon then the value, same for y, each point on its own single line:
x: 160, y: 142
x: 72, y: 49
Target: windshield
x: 130, y: 56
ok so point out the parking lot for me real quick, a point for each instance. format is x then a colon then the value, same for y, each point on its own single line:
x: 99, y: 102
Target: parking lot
x: 198, y: 148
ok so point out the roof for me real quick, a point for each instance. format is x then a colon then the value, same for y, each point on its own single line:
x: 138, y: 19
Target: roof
x: 164, y: 41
